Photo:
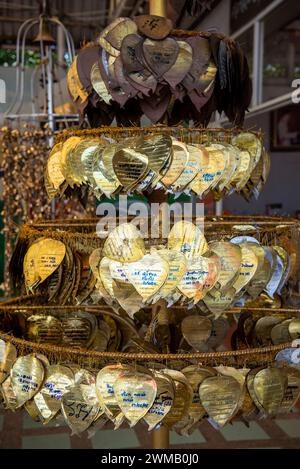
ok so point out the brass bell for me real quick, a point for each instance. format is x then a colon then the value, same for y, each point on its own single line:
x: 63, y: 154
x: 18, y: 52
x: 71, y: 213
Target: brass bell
x: 44, y: 35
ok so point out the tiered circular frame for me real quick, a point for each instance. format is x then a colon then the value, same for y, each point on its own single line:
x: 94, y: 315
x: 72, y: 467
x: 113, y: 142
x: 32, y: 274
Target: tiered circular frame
x: 27, y: 306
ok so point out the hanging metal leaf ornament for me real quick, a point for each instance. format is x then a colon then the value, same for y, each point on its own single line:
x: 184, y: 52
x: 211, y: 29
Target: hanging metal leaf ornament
x: 41, y: 328
x: 130, y: 166
x: 124, y: 244
x: 179, y: 158
x: 271, y: 257
x: 33, y: 411
x: 248, y: 141
x: 149, y: 161
x: 101, y: 339
x: 292, y: 392
x: 177, y: 268
x: 163, y: 400
x: 68, y: 146
x: 127, y: 297
x: 94, y: 261
x: 190, y: 172
x: 220, y: 327
x: 135, y: 393
x: 248, y: 268
x: 201, y: 54
x: 280, y: 332
x: 196, y: 330
x: 118, y: 271
x: 27, y: 376
x: 41, y: 260
x: 263, y: 272
x: 282, y: 253
x: 183, y: 63
x: 158, y: 149
x: 212, y: 168
x: 130, y: 60
x: 219, y: 159
x: 230, y: 257
x: 182, y: 399
x: 211, y: 275
x: 241, y: 175
x: 75, y: 86
x: 58, y: 380
x: 152, y: 54
x: 100, y: 180
x: 250, y: 387
x: 160, y: 55
x: 153, y: 26
x: 78, y: 411
x: 195, y: 375
x: 217, y: 301
x: 239, y: 375
x: 8, y: 394
x: 78, y: 329
x: 207, y: 79
x: 8, y: 355
x: 294, y: 329
x: 79, y: 164
x: 104, y: 43
x: 105, y: 382
x: 112, y: 36
x: 99, y: 84
x: 263, y: 328
x: 106, y: 160
x: 105, y: 275
x: 224, y: 184
x: 72, y: 80
x: 143, y: 81
x: 122, y: 81
x: 148, y: 275
x: 269, y: 386
x: 54, y: 177
x: 187, y: 238
x: 289, y: 355
x: 220, y: 396
x: 201, y: 275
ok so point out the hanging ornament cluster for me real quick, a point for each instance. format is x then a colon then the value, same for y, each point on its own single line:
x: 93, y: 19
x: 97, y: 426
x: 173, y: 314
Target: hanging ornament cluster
x: 186, y: 269
x: 142, y: 66
x: 98, y: 328
x: 257, y: 330
x: 108, y: 165
x: 135, y: 329
x: 158, y: 395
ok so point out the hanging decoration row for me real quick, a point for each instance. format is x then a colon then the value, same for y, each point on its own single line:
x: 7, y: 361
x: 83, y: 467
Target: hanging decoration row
x: 176, y: 330
x: 113, y: 162
x: 143, y: 66
x: 159, y: 395
x: 186, y: 269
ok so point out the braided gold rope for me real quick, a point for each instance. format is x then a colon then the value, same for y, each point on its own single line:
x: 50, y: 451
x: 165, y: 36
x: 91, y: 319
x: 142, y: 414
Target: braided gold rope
x: 273, y: 225
x: 16, y: 307
x: 60, y: 350
x: 196, y: 134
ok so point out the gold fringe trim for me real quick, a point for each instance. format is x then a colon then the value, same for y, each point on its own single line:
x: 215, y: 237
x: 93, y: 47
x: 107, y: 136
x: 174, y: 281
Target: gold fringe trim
x: 188, y: 135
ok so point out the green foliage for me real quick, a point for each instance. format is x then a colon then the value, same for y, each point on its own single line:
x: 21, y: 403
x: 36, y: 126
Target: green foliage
x: 275, y: 71
x: 8, y: 58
